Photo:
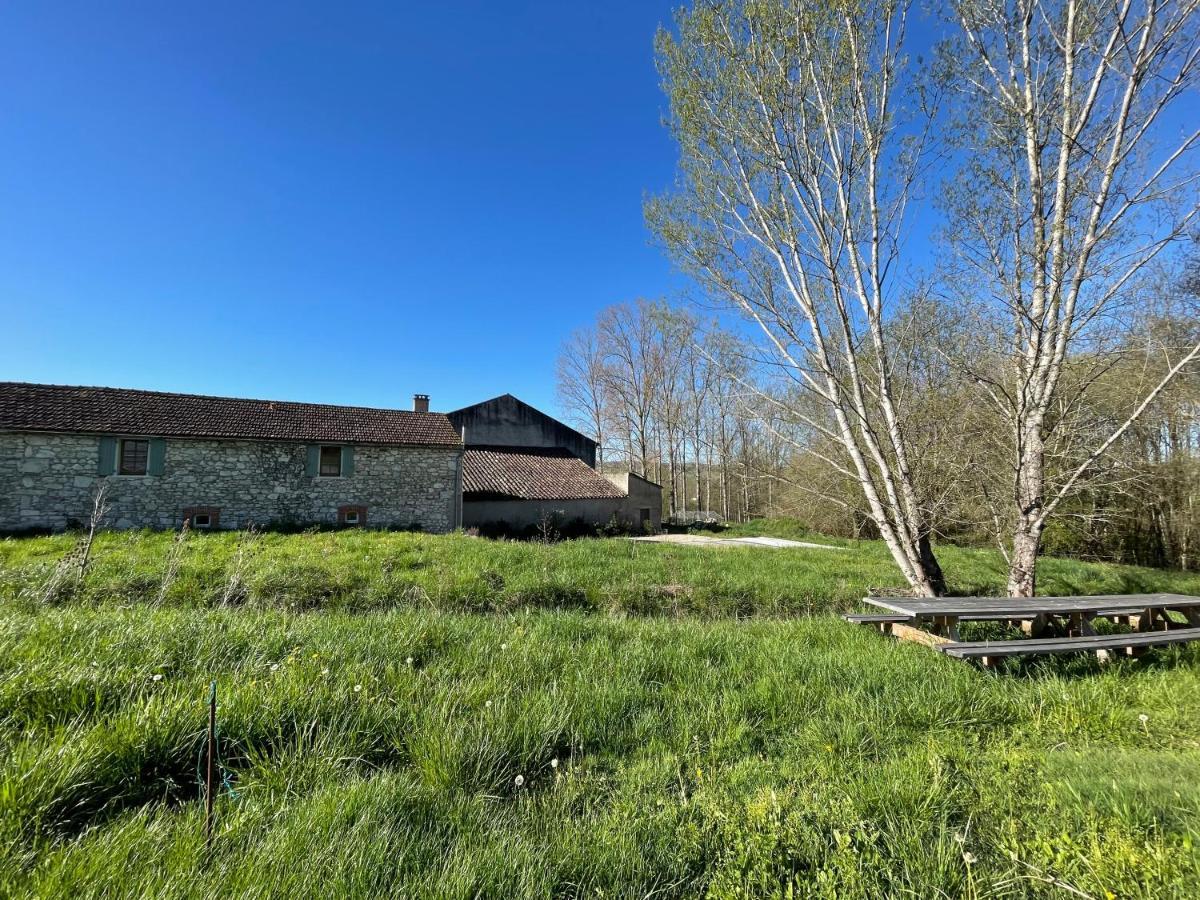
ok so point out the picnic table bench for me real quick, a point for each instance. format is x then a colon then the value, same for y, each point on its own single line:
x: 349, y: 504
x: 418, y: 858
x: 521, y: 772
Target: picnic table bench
x: 934, y: 621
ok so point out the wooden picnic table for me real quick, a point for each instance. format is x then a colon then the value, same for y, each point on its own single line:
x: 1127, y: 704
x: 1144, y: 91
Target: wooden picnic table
x: 1146, y: 612
x: 1149, y: 614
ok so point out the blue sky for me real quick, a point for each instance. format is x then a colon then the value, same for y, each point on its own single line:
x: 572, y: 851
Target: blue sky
x: 330, y: 202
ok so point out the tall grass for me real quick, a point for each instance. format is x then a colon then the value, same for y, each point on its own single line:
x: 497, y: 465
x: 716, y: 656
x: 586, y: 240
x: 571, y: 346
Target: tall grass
x: 361, y: 571
x: 378, y: 755
x: 422, y: 716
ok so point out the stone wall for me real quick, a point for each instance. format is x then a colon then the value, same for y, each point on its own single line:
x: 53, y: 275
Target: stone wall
x: 46, y: 481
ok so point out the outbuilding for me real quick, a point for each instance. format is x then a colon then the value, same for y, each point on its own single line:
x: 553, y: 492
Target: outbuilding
x: 524, y: 469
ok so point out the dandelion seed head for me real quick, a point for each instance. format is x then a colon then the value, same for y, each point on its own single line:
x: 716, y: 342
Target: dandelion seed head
x: 519, y: 781
x: 274, y: 666
x: 157, y: 678
x: 487, y: 705
x: 969, y: 859
x: 1143, y: 718
x: 960, y: 837
x: 325, y: 671
x: 504, y: 646
x: 409, y: 661
x: 554, y: 763
x: 357, y: 688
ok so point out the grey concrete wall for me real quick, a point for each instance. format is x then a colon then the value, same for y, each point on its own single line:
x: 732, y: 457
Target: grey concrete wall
x: 46, y: 481
x: 642, y: 494
x: 508, y: 422
x: 520, y: 514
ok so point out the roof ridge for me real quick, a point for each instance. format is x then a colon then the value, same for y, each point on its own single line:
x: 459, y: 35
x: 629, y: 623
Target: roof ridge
x: 28, y: 406
x: 180, y: 394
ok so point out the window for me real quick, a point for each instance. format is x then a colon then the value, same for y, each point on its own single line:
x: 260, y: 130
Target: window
x: 134, y: 456
x: 331, y: 462
x: 202, y: 518
x: 352, y: 515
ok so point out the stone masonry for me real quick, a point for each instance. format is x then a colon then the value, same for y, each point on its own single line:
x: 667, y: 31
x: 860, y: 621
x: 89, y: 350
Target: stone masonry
x: 46, y: 481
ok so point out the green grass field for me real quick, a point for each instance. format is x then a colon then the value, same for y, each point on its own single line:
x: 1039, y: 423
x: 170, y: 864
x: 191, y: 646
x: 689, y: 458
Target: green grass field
x: 358, y: 571
x: 422, y: 716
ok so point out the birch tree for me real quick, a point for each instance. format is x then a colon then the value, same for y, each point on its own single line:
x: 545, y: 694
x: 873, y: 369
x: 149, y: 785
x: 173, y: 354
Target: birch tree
x: 1075, y: 179
x: 797, y: 160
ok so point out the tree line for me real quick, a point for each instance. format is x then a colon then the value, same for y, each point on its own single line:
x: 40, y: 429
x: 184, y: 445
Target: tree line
x: 664, y: 394
x: 1019, y: 385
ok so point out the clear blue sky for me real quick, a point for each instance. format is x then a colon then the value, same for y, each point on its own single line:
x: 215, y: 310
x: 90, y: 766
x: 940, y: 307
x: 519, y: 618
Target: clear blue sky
x: 330, y: 202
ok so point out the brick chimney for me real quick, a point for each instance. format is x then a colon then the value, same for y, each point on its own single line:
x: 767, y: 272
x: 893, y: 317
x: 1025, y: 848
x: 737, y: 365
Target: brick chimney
x: 420, y: 403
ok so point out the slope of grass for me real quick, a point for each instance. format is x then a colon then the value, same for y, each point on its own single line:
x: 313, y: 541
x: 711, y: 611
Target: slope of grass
x: 381, y: 693
x: 355, y: 570
x: 379, y: 754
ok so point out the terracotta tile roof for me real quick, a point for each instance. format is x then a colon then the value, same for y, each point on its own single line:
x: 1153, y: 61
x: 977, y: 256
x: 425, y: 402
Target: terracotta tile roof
x: 532, y: 473
x: 100, y: 410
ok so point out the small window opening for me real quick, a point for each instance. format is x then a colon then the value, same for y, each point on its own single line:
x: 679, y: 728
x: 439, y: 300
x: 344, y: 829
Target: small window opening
x: 331, y: 462
x: 352, y: 518
x: 202, y: 520
x: 134, y: 456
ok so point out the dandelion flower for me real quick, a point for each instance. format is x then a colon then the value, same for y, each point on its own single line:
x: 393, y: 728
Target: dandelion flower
x: 519, y: 781
x: 357, y: 688
x: 157, y: 678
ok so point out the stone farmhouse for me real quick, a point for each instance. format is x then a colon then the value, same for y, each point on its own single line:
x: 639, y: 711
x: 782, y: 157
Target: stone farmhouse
x: 222, y: 462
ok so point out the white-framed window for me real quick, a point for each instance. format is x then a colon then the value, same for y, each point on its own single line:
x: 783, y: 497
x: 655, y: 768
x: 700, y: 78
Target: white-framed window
x: 351, y: 517
x: 133, y: 457
x: 331, y: 461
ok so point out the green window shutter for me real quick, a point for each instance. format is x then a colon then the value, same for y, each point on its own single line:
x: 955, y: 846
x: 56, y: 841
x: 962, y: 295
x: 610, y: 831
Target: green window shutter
x: 312, y: 466
x: 347, y: 462
x: 158, y: 453
x: 106, y: 464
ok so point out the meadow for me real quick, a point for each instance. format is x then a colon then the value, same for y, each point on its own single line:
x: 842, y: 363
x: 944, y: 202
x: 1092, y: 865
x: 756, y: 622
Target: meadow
x: 423, y: 716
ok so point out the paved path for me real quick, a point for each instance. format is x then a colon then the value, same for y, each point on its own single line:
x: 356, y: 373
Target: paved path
x: 699, y: 540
